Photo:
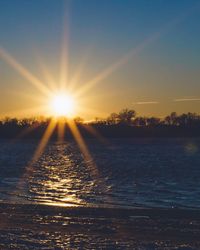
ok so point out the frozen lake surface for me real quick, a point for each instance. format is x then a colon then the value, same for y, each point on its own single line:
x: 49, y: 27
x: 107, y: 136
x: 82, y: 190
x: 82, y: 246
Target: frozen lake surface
x: 123, y: 173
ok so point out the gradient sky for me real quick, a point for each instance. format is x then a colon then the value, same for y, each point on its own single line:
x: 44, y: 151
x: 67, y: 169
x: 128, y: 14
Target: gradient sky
x: 157, y: 41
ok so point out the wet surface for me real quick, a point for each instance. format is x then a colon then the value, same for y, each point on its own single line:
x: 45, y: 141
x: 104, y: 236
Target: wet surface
x: 151, y: 173
x: 44, y: 227
x: 64, y: 202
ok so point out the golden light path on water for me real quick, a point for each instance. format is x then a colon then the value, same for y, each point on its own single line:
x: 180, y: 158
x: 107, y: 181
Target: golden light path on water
x: 65, y: 87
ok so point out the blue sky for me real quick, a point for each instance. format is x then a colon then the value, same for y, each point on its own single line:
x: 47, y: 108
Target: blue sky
x: 101, y: 32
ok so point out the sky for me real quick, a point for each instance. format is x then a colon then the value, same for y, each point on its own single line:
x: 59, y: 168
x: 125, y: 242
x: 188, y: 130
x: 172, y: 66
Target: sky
x: 136, y: 54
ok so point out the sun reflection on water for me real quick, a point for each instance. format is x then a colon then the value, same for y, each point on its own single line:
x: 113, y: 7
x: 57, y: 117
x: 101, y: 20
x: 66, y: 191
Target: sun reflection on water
x: 61, y: 177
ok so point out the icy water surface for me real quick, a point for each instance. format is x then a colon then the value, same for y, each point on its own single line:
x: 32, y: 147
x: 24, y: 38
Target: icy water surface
x: 125, y: 173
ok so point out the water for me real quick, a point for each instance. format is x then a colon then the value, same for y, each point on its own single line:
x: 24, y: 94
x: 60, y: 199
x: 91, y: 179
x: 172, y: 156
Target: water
x: 123, y: 173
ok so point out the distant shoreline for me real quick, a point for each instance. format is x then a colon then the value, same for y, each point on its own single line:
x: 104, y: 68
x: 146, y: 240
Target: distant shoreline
x: 124, y: 124
x: 107, y: 131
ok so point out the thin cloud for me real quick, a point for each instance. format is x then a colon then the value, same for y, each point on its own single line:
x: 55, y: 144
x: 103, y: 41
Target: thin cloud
x: 143, y: 103
x: 186, y: 99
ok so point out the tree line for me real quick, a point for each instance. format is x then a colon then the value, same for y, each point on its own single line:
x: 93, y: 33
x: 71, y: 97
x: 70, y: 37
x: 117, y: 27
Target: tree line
x: 126, y: 117
x: 129, y: 117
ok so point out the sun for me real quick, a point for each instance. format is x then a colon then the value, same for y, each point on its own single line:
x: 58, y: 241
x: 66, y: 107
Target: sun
x: 62, y: 105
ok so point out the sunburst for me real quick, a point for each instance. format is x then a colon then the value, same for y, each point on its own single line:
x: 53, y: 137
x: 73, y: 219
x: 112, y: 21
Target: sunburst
x: 59, y: 101
x: 62, y: 105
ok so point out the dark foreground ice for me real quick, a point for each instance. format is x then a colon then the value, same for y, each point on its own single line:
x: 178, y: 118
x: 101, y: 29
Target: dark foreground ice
x: 49, y: 227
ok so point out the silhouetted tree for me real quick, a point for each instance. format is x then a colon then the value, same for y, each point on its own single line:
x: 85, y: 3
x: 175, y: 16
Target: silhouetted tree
x: 171, y: 119
x: 99, y: 121
x: 153, y: 121
x: 11, y: 121
x: 78, y: 120
x: 126, y: 116
x: 113, y: 119
x: 140, y: 121
x: 182, y: 119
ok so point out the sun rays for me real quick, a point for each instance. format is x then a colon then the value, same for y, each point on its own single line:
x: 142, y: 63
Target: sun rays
x: 59, y: 100
x: 44, y: 141
x: 24, y: 72
x: 62, y: 98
